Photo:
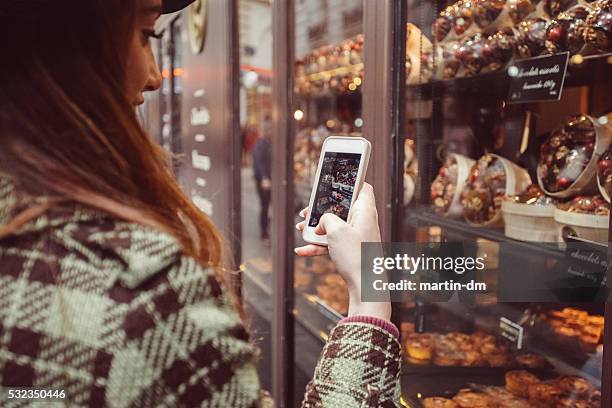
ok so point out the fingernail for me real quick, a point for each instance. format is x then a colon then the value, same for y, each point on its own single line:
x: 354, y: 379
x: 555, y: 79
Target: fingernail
x: 296, y: 251
x: 297, y: 227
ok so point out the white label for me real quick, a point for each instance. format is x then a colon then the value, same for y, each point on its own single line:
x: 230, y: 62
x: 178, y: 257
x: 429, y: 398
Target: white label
x: 200, y: 161
x: 203, y: 204
x: 200, y: 182
x: 200, y: 116
x: 511, y: 331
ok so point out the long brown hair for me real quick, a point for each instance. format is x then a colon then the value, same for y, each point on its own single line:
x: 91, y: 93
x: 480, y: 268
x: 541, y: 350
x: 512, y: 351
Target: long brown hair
x: 69, y: 131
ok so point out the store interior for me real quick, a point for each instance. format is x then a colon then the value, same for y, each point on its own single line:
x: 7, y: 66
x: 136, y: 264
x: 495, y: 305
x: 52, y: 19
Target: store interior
x: 488, y: 153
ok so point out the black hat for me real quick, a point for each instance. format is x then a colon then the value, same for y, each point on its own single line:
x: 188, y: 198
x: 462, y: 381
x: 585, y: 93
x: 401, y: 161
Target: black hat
x: 170, y: 6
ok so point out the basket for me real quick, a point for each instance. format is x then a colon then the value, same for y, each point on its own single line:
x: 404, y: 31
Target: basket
x: 527, y: 222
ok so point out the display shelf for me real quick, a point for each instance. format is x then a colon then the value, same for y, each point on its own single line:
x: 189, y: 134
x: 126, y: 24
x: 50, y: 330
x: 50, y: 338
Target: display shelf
x: 314, y: 315
x: 417, y: 216
x: 592, y: 69
x: 562, y: 358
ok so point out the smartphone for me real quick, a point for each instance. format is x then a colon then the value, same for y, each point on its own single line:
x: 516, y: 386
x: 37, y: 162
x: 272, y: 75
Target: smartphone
x: 340, y: 175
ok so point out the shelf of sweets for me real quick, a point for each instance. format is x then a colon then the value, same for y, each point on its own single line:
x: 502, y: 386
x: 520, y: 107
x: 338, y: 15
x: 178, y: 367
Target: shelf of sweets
x: 471, y: 343
x: 516, y: 389
x: 593, y: 70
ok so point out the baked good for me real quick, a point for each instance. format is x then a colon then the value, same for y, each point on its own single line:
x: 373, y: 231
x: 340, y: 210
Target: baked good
x: 518, y: 382
x: 498, y: 359
x: 471, y: 399
x: 438, y: 402
x: 447, y: 358
x: 420, y: 347
x: 473, y: 359
x: 575, y: 386
x: 569, y: 402
x: 530, y: 360
x: 544, y: 393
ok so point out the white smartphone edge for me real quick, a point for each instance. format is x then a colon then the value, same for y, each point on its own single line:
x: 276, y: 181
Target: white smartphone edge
x: 308, y: 233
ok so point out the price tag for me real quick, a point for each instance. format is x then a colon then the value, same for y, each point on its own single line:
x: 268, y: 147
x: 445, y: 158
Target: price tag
x: 511, y: 331
x: 537, y: 79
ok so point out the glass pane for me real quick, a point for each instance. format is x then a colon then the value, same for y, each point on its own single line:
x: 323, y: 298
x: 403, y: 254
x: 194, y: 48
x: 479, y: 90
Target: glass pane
x: 328, y: 83
x: 255, y: 22
x: 492, y: 167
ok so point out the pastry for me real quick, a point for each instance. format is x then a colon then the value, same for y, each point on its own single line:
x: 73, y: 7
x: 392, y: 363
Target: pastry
x: 518, y: 382
x: 531, y: 361
x: 470, y: 399
x: 544, y: 393
x: 420, y: 347
x: 445, y: 358
x: 574, y: 386
x: 438, y: 402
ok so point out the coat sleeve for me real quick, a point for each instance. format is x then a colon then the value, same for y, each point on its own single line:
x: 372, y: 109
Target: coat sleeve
x: 358, y: 368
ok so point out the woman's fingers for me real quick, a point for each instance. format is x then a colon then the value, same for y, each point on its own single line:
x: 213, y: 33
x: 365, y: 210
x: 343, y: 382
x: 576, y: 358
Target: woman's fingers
x: 300, y: 225
x: 304, y: 212
x: 311, y: 250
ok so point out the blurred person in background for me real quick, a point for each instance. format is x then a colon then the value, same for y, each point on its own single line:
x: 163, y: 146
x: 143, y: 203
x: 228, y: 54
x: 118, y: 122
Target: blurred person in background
x: 262, y: 171
x: 111, y: 281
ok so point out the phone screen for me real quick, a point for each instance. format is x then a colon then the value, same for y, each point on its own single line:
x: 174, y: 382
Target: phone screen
x: 336, y: 186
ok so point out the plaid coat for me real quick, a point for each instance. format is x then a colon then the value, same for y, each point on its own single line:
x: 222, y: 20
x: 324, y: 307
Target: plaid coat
x: 114, y: 315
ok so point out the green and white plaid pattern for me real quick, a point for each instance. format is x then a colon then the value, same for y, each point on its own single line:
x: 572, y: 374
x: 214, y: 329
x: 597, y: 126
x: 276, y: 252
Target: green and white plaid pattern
x: 113, y: 314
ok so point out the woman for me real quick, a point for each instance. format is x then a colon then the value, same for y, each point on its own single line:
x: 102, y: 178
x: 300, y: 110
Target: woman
x: 110, y: 279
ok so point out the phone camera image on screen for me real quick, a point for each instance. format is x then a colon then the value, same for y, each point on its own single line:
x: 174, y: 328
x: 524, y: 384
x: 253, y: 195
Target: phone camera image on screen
x: 336, y: 186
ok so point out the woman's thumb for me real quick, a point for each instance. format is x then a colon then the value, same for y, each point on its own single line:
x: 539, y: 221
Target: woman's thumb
x: 328, y: 224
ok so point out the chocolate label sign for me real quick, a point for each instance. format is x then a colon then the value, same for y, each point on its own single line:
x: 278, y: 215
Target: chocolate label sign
x: 537, y: 79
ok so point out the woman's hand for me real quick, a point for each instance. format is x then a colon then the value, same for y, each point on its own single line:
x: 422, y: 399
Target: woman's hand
x: 344, y: 247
